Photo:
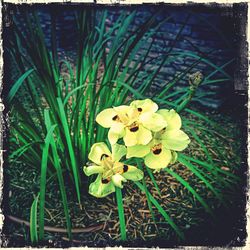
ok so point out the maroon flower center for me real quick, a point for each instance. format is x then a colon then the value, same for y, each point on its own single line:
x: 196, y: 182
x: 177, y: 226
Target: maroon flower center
x: 156, y: 149
x: 125, y: 168
x: 116, y: 118
x: 105, y: 181
x: 134, y: 127
x: 104, y: 156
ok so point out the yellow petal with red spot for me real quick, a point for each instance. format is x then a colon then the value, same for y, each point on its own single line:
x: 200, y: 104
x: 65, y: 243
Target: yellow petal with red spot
x: 159, y: 159
x: 146, y: 105
x: 98, y: 151
x: 117, y: 179
x: 152, y: 121
x: 101, y: 188
x: 140, y: 135
x: 132, y: 173
x: 106, y: 118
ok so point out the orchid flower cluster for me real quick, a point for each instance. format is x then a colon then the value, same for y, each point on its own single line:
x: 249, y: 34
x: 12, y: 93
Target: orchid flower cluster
x: 148, y: 133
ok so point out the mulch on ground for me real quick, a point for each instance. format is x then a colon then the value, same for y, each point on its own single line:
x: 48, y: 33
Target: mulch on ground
x: 100, y: 216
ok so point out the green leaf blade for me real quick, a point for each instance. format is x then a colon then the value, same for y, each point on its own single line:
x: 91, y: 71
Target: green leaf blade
x: 121, y: 213
x: 33, y: 221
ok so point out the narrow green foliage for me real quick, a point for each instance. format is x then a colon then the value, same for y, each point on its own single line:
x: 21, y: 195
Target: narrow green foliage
x: 17, y: 85
x: 33, y: 221
x: 204, y: 148
x: 70, y: 148
x: 112, y: 67
x: 43, y: 180
x: 58, y: 167
x: 153, y: 180
x: 146, y: 192
x: 200, y: 176
x: 162, y: 211
x: 118, y: 192
x: 213, y: 168
x: 187, y: 185
x: 18, y: 153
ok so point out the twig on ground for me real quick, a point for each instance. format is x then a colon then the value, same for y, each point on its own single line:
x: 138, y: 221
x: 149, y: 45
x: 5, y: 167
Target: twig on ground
x: 57, y: 229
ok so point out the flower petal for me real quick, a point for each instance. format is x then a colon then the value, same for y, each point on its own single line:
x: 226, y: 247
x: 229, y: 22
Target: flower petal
x: 133, y: 114
x: 175, y: 140
x: 122, y: 112
x: 117, y: 127
x: 144, y: 136
x: 116, y: 132
x: 100, y: 189
x: 113, y: 137
x: 174, y: 157
x: 171, y: 117
x: 158, y: 161
x: 137, y: 151
x: 130, y: 138
x: 106, y: 117
x: 152, y: 121
x: 118, y: 151
x: 132, y: 173
x: 93, y: 169
x: 121, y: 109
x: 141, y: 136
x: 98, y: 150
x: 117, y: 179
x: 144, y: 105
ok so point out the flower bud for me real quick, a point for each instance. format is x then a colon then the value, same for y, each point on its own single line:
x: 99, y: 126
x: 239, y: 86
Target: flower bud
x: 195, y: 80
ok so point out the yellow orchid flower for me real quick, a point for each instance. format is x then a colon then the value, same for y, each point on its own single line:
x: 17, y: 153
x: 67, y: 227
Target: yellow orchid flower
x: 134, y: 123
x: 111, y: 172
x: 160, y: 151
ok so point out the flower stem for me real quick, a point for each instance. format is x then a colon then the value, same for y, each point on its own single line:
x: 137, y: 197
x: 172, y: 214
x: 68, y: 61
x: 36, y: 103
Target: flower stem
x: 121, y: 213
x: 146, y: 192
x: 194, y: 81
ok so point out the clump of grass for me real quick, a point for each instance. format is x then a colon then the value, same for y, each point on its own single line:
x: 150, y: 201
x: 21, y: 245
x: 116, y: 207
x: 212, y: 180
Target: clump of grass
x: 174, y: 198
x: 53, y: 123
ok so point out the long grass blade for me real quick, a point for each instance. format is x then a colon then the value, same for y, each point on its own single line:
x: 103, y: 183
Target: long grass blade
x: 17, y: 85
x: 162, y: 211
x: 70, y: 148
x: 190, y: 189
x: 59, y: 176
x: 196, y: 172
x: 146, y: 192
x: 33, y: 221
x: 121, y: 213
x: 43, y: 180
x: 211, y: 167
x: 153, y: 180
x: 202, y: 145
